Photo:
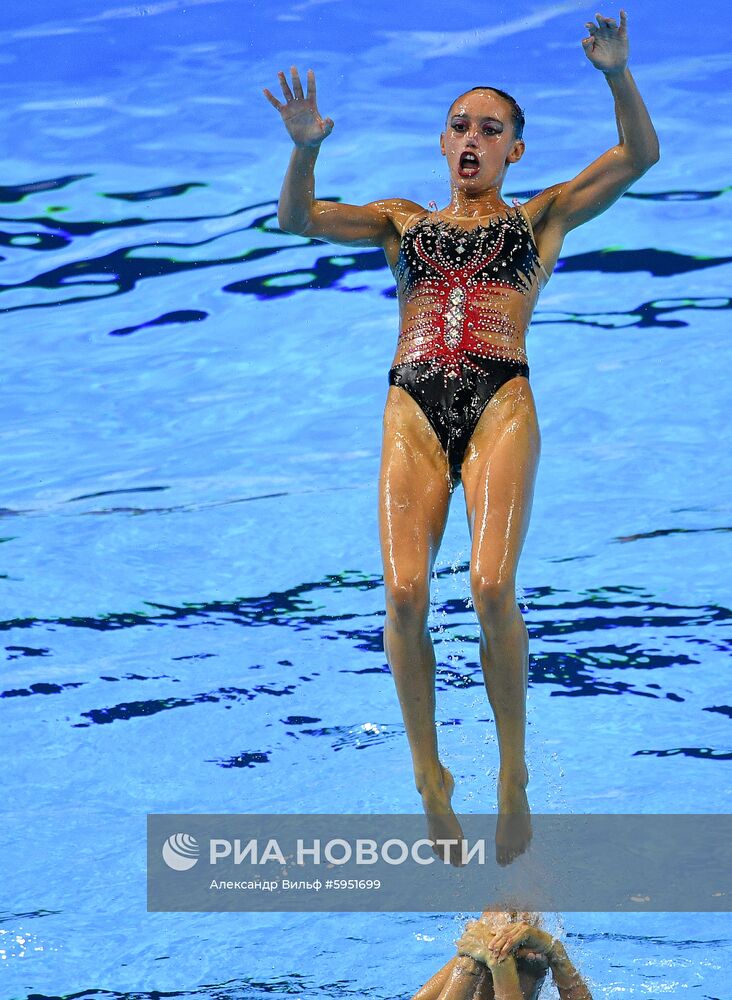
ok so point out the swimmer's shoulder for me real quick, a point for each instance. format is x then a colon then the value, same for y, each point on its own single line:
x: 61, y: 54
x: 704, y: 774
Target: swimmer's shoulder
x: 538, y: 204
x: 401, y: 212
x: 548, y: 234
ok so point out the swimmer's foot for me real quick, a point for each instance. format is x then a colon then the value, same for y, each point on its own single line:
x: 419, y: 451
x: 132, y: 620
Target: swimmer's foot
x: 442, y: 823
x: 513, y: 830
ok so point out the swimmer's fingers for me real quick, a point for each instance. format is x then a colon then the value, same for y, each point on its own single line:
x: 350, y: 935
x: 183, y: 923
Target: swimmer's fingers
x: 311, y: 96
x: 296, y: 83
x: 285, y: 87
x: 609, y: 24
x: 506, y: 940
x: 475, y: 947
x: 592, y: 36
x: 272, y: 99
x: 603, y: 23
x: 603, y: 26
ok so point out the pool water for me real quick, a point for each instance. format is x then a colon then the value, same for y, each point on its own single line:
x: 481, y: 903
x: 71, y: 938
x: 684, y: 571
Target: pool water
x: 191, y: 418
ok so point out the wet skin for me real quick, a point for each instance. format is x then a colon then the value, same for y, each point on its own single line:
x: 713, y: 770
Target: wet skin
x: 481, y: 972
x: 505, y: 955
x: 500, y: 464
x: 414, y: 499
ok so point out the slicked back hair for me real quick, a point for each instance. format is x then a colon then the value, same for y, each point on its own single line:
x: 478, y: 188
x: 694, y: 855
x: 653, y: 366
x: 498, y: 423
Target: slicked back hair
x: 517, y: 115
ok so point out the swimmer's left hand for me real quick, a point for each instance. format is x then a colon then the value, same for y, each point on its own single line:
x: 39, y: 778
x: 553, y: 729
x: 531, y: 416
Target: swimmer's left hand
x: 476, y: 941
x: 518, y: 935
x: 607, y: 44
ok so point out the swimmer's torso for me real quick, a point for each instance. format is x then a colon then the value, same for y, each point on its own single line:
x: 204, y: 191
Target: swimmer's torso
x: 466, y: 290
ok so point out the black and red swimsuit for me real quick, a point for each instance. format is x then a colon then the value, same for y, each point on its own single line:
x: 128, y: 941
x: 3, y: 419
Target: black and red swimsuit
x: 449, y: 371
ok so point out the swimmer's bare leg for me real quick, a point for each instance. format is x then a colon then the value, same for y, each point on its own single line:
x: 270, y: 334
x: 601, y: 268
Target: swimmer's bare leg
x: 498, y: 477
x: 414, y: 499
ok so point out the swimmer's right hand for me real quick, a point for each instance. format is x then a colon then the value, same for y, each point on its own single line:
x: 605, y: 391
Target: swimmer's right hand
x: 522, y: 935
x: 300, y: 113
x: 477, y: 942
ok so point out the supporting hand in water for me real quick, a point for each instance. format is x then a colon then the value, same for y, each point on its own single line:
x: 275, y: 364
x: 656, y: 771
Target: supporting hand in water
x: 477, y: 942
x: 520, y: 937
x: 300, y: 112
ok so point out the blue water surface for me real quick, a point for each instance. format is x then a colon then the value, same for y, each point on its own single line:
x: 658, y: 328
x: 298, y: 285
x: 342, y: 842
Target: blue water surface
x: 190, y: 419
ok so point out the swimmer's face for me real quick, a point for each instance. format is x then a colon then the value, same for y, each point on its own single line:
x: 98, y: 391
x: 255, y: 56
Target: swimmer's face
x: 479, y: 122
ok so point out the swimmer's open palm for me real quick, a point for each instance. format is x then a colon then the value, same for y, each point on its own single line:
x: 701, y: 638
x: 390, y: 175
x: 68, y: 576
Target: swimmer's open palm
x: 607, y: 44
x: 300, y: 112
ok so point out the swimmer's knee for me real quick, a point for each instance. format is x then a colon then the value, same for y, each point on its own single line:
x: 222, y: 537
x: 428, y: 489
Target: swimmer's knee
x: 492, y: 596
x: 408, y: 600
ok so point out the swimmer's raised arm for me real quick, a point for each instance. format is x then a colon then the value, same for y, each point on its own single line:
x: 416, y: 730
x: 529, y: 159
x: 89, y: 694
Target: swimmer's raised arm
x: 573, y: 202
x: 298, y: 210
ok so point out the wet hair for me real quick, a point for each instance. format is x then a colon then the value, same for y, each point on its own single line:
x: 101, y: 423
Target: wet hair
x: 517, y: 114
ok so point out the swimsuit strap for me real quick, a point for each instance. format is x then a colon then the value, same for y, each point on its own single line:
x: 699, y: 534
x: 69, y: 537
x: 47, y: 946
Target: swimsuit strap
x: 522, y: 211
x: 409, y: 221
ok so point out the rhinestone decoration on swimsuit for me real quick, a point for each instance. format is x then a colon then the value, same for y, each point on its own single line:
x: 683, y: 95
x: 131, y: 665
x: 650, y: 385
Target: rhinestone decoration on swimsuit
x: 463, y: 281
x: 463, y: 278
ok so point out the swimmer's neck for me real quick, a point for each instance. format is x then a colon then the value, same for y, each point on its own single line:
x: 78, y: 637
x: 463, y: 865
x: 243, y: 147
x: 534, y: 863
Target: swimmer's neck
x: 466, y: 205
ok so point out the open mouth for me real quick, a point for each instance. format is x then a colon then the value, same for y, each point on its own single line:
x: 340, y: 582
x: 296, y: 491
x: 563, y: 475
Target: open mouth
x: 469, y: 164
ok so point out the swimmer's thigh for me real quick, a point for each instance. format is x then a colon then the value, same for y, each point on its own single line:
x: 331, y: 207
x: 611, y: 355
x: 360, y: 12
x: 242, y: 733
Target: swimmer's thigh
x: 498, y: 474
x: 414, y: 493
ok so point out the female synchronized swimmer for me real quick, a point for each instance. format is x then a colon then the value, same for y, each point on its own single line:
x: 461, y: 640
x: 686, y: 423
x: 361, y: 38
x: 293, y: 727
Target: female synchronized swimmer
x: 459, y: 404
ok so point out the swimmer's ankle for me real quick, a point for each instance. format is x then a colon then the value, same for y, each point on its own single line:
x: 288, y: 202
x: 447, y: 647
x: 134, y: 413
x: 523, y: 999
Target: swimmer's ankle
x: 435, y: 782
x: 512, y: 775
x: 429, y: 780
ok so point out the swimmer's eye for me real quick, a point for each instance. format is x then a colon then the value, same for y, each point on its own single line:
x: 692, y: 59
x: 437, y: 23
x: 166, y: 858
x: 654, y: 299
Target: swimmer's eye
x: 489, y: 129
